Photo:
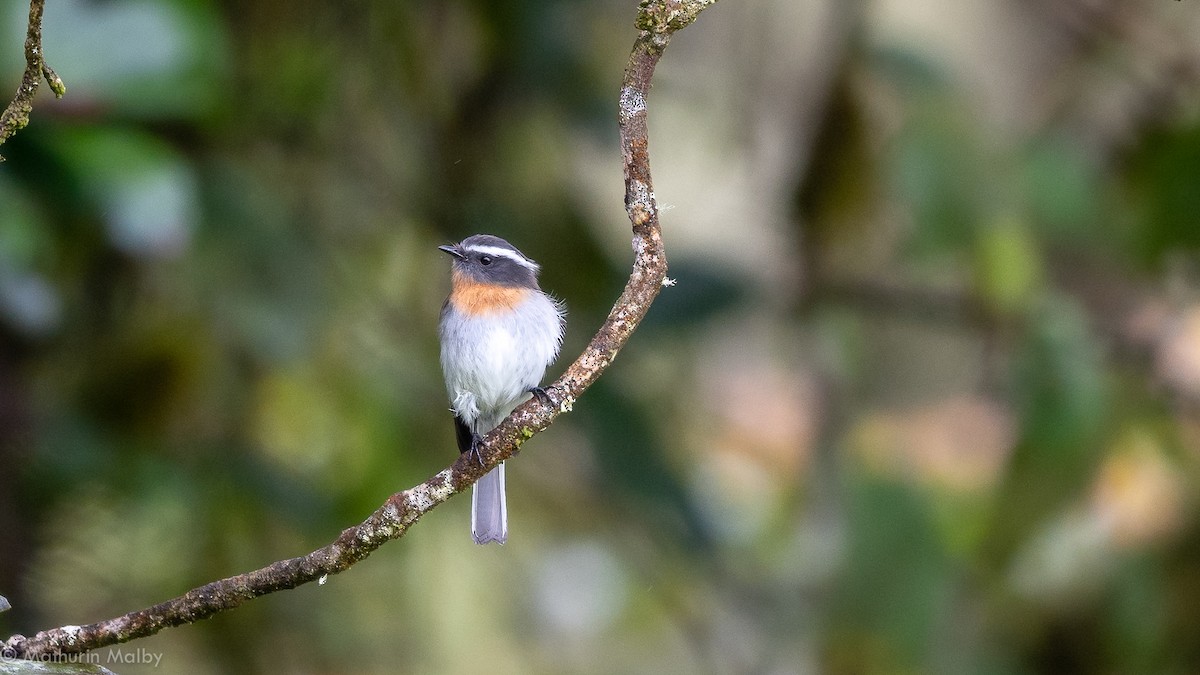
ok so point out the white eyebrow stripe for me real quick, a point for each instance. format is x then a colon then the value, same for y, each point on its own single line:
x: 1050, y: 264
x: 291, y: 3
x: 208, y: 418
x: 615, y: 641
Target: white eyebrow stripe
x: 504, y: 253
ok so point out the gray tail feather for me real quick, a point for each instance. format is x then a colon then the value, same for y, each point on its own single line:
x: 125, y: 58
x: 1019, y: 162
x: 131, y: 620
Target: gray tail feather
x: 489, y: 512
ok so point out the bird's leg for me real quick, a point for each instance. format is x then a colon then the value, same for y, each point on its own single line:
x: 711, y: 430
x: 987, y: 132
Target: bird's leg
x: 476, y: 444
x: 468, y: 441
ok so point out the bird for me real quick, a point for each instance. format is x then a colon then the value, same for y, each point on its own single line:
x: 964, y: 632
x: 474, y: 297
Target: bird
x: 499, y: 332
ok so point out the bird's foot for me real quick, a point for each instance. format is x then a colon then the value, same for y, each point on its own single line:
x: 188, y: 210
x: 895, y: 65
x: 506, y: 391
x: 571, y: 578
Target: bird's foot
x: 476, y: 445
x: 542, y: 395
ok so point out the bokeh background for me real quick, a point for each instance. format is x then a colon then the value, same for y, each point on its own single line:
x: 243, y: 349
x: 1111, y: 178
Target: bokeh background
x: 925, y: 398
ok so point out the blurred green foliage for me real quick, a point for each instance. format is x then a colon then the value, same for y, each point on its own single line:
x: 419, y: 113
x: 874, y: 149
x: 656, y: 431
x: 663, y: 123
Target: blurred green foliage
x: 924, y: 398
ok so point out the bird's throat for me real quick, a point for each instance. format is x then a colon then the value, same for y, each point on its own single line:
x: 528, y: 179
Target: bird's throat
x: 475, y: 299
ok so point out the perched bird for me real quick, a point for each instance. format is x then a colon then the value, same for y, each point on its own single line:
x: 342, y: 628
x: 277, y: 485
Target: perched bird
x: 499, y: 331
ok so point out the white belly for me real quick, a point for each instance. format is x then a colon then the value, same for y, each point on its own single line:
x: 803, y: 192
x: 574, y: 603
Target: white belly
x: 492, y: 361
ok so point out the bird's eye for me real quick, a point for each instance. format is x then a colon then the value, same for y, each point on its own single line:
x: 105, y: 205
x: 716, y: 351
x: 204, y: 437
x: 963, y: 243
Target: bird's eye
x: 485, y: 260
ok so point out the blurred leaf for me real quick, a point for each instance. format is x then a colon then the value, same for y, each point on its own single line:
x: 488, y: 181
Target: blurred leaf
x: 1060, y: 378
x: 934, y: 173
x: 937, y: 165
x: 24, y: 240
x: 28, y: 300
x: 1162, y: 177
x: 145, y: 58
x: 29, y: 303
x: 1008, y: 266
x: 1139, y: 615
x: 1061, y: 186
x: 145, y: 191
x: 892, y: 587
x: 633, y: 461
x: 1060, y: 390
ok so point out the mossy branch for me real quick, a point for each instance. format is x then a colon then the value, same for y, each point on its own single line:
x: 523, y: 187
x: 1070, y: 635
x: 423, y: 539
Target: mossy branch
x: 16, y: 115
x: 658, y: 19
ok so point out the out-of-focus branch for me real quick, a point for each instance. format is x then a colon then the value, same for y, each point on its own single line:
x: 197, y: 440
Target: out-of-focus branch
x: 657, y: 19
x: 16, y: 115
x: 1136, y: 327
x: 938, y: 306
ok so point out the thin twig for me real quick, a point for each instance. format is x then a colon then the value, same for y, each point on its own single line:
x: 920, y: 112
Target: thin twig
x: 657, y: 20
x: 16, y: 115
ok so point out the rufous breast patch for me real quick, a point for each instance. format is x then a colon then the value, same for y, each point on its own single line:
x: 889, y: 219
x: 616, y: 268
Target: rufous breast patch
x: 475, y: 299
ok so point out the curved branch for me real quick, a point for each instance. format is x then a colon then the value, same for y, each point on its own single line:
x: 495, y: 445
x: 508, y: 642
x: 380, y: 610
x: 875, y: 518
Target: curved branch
x: 657, y: 19
x: 16, y: 115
